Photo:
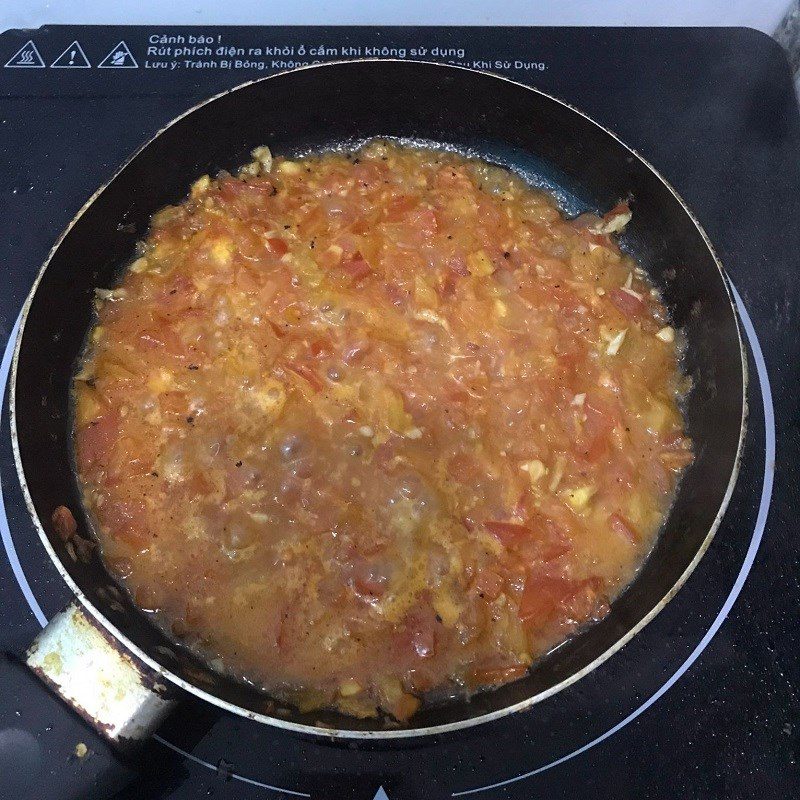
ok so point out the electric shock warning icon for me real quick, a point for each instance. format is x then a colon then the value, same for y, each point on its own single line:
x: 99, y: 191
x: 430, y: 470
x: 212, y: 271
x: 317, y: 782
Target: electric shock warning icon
x: 120, y: 57
x: 26, y: 56
x: 72, y: 58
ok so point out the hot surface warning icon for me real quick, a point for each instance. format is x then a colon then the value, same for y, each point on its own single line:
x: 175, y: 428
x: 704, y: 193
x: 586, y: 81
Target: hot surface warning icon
x: 120, y: 57
x: 26, y: 56
x: 72, y: 58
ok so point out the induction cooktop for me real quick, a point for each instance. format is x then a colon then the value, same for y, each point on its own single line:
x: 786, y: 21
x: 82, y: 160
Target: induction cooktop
x: 701, y: 704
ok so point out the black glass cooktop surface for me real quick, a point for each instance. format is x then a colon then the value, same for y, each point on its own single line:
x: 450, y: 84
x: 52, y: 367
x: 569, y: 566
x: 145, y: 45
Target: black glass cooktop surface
x: 704, y: 702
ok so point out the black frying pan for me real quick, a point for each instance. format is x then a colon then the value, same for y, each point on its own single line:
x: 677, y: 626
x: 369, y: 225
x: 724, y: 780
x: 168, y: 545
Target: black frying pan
x: 546, y: 140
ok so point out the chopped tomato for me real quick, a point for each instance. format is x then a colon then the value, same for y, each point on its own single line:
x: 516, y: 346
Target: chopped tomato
x: 404, y: 708
x: 548, y: 539
x: 630, y: 305
x: 356, y: 267
x: 97, y: 440
x: 544, y: 597
x: 416, y: 638
x: 370, y: 579
x: 446, y: 286
x: 423, y: 219
x: 488, y: 584
x: 397, y: 208
x: 495, y: 676
x: 278, y: 246
x: 321, y: 347
x: 508, y: 533
x: 552, y: 539
x: 174, y: 403
x: 127, y: 521
x: 541, y: 598
x: 422, y: 640
x: 601, y: 418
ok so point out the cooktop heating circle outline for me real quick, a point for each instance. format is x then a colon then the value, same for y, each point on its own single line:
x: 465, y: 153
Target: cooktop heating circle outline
x: 741, y: 578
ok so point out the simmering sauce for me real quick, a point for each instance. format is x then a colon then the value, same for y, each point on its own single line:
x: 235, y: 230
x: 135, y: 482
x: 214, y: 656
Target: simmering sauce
x: 361, y: 426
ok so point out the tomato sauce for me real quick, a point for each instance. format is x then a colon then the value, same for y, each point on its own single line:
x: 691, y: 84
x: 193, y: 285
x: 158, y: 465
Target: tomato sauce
x: 361, y: 426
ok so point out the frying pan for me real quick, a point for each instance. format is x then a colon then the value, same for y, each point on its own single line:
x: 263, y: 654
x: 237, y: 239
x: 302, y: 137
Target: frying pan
x: 550, y: 143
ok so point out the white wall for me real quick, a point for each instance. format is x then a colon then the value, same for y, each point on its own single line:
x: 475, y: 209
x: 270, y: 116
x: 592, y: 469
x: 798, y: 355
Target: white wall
x: 761, y: 14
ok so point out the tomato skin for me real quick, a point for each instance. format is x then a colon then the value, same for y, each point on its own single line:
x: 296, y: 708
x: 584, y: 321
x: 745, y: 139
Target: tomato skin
x: 307, y: 374
x: 621, y: 526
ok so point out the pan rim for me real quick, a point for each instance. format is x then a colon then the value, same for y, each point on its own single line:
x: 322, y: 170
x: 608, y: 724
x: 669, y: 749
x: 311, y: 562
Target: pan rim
x: 398, y: 733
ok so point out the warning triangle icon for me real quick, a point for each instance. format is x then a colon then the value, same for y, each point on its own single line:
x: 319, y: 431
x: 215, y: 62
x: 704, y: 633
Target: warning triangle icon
x: 120, y: 57
x: 26, y: 56
x: 72, y: 58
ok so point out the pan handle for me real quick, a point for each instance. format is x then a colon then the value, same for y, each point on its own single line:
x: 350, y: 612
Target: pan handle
x: 74, y: 713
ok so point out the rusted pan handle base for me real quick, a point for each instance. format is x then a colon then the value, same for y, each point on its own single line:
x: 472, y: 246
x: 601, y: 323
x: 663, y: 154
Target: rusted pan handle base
x: 117, y: 695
